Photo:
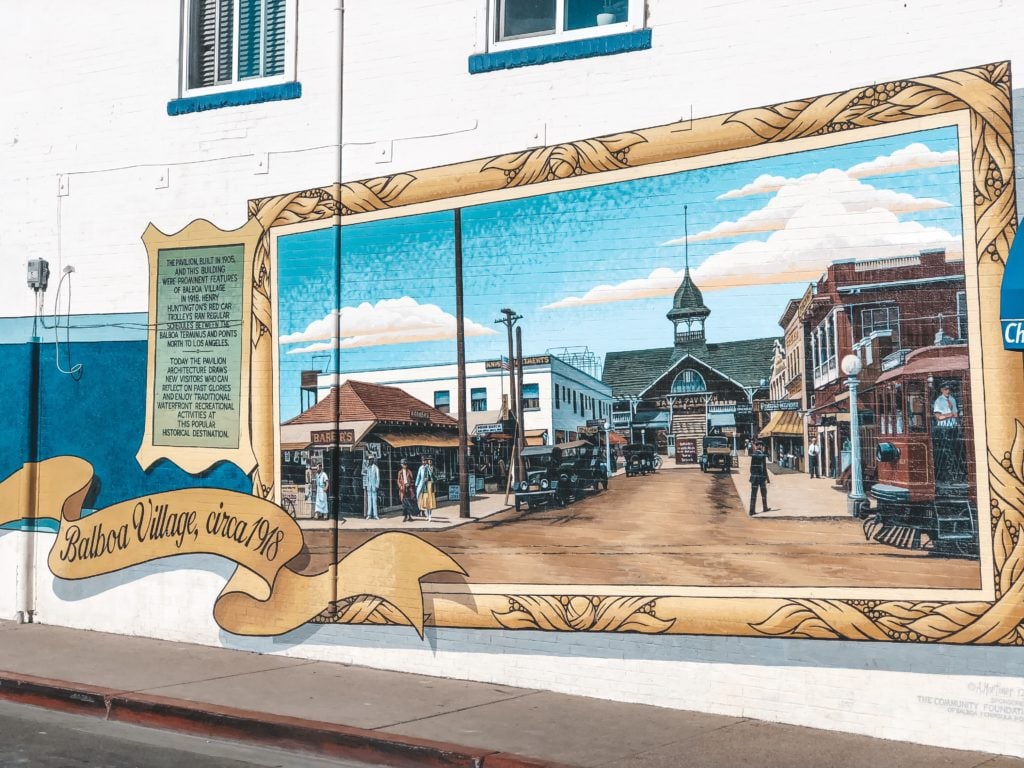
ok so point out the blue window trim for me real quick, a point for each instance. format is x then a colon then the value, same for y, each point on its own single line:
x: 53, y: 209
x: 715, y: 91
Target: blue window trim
x: 190, y: 104
x: 608, y: 45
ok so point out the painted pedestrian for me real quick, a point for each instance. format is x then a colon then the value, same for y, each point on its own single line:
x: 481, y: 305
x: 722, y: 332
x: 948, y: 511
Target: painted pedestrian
x: 759, y: 478
x: 813, y: 453
x: 425, y: 479
x: 321, y: 510
x: 407, y: 492
x: 371, y: 484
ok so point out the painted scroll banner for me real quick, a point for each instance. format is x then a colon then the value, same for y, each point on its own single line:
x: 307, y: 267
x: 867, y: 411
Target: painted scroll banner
x: 263, y: 597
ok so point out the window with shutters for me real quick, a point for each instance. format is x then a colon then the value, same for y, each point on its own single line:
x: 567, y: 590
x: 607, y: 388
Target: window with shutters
x: 231, y: 44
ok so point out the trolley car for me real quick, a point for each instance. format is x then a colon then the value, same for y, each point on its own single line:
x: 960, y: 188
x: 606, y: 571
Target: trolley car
x: 925, y: 485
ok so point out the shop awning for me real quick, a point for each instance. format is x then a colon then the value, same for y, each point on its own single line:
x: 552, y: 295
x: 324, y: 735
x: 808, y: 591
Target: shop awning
x: 536, y: 436
x: 783, y: 424
x: 614, y: 438
x: 722, y: 419
x: 651, y: 419
x: 295, y: 446
x: 419, y: 440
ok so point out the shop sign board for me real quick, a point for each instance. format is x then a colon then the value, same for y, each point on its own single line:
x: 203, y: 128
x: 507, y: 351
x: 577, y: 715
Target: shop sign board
x: 780, y: 405
x: 333, y: 437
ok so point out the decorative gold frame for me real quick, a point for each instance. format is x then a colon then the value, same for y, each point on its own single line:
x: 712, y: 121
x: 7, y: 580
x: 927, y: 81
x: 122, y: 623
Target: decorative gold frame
x: 980, y: 97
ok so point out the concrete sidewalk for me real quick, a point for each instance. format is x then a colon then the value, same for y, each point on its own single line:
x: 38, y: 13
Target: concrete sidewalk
x: 400, y: 719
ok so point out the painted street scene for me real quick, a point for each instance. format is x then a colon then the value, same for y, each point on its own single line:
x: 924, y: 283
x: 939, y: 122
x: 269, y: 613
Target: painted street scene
x: 746, y: 374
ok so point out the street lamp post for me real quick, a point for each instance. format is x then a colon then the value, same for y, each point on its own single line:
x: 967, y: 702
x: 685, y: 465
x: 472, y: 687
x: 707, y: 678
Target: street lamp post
x: 856, y: 502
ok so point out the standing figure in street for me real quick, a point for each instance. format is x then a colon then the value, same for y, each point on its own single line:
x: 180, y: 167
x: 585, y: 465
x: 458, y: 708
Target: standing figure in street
x: 371, y: 484
x: 812, y: 457
x: 759, y: 478
x: 407, y: 492
x: 425, y: 487
x: 320, y: 509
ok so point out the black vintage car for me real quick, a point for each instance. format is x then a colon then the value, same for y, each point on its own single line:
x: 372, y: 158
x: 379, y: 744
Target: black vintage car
x: 583, y: 467
x: 641, y: 458
x: 716, y: 455
x: 559, y: 474
x: 541, y: 485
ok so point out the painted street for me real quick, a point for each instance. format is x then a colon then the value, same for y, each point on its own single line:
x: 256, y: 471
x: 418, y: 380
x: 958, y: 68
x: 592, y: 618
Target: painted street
x: 681, y: 527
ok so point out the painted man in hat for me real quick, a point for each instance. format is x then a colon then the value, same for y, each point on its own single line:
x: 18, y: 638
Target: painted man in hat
x: 407, y: 491
x: 945, y: 408
x: 950, y: 465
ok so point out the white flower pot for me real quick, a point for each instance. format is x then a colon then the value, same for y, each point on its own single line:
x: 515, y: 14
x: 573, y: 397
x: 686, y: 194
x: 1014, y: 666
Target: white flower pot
x: 605, y: 18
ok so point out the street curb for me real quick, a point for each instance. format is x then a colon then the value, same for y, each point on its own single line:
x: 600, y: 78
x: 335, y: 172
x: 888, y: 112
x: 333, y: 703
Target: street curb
x: 73, y: 698
x: 279, y: 731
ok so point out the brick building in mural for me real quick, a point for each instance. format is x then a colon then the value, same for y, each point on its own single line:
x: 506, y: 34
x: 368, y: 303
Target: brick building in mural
x: 880, y: 310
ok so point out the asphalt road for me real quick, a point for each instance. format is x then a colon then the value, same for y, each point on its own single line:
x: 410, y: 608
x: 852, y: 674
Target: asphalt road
x: 673, y: 528
x: 40, y: 738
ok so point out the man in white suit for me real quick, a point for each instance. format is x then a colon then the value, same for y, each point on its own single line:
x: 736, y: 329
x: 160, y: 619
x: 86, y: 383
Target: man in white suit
x: 371, y: 484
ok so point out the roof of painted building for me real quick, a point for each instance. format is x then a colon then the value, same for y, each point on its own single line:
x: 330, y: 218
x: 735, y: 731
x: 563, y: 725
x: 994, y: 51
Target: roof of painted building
x: 362, y: 401
x: 747, y: 361
x: 688, y: 301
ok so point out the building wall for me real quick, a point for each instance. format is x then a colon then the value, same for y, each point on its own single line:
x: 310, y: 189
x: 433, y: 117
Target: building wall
x: 93, y: 119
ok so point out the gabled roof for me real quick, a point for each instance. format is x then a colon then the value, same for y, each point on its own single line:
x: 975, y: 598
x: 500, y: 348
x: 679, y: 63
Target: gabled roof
x: 362, y: 401
x: 747, y: 362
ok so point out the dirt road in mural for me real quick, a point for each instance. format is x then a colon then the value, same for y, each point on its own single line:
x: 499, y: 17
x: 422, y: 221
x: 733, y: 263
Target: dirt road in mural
x: 676, y: 528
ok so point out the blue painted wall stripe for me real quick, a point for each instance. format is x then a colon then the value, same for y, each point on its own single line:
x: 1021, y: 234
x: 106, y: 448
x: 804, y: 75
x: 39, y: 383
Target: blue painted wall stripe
x: 127, y: 326
x: 239, y: 98
x: 640, y: 40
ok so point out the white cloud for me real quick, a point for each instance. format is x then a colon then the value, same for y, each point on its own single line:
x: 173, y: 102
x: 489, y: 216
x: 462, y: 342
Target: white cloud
x: 818, y: 233
x: 661, y: 282
x: 913, y: 157
x: 813, y: 223
x: 389, y: 321
x: 855, y: 196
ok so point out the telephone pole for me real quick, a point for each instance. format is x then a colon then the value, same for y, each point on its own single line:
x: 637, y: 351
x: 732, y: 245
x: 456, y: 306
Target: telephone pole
x: 509, y: 320
x: 460, y: 334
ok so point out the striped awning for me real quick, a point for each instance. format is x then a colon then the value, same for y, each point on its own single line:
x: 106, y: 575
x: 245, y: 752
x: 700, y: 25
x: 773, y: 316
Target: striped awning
x: 419, y: 440
x: 783, y: 424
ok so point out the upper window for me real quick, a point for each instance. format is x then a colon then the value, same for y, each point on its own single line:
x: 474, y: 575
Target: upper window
x: 531, y: 397
x: 519, y: 23
x: 688, y: 381
x: 443, y: 400
x: 478, y: 399
x: 237, y: 43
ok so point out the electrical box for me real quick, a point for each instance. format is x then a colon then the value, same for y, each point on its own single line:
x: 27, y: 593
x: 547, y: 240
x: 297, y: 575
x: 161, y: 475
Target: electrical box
x: 38, y: 274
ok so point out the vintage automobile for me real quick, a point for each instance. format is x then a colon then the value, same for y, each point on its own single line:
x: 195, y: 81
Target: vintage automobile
x: 582, y: 467
x: 716, y: 454
x: 641, y: 458
x: 541, y: 484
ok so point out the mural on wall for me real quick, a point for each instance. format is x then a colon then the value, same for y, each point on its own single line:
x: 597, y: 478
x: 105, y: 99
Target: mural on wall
x: 739, y: 376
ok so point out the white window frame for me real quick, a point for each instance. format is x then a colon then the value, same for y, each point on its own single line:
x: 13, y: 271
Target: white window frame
x: 962, y: 321
x: 288, y: 76
x: 636, y: 12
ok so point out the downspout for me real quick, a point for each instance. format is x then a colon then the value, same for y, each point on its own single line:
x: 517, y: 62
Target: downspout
x: 25, y: 588
x: 336, y: 468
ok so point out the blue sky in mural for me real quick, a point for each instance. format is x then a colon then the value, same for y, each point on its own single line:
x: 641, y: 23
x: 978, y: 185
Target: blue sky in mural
x: 597, y: 267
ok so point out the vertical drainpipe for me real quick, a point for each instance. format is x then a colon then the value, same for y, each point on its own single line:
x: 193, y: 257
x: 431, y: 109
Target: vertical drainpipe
x: 29, y: 493
x: 336, y: 468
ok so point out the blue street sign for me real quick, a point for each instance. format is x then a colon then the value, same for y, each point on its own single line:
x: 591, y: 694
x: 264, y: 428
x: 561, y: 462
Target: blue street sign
x: 1011, y: 310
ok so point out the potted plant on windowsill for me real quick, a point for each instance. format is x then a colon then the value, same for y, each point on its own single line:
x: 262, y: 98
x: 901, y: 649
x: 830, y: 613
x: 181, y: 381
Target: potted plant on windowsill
x: 608, y: 16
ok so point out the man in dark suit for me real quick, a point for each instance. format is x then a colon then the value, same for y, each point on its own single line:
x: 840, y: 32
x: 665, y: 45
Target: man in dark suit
x: 759, y: 478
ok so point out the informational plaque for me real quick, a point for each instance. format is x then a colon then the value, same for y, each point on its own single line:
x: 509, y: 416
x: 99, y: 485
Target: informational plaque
x: 199, y: 316
x: 200, y: 309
